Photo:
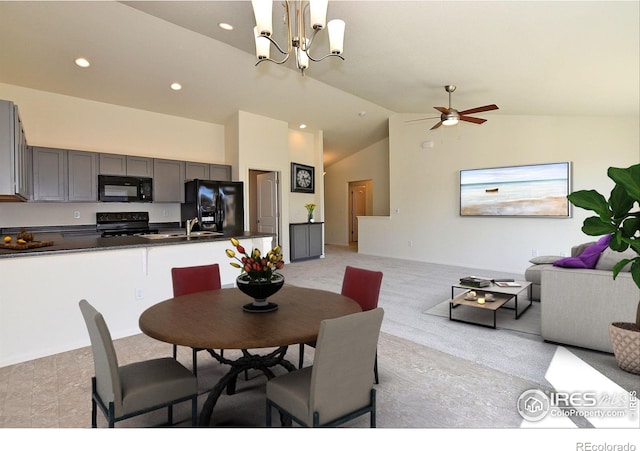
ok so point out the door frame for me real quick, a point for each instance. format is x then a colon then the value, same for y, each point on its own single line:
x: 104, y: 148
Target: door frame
x: 253, y: 201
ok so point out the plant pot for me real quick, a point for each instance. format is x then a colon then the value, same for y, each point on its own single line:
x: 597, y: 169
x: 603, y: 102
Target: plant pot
x: 260, y: 290
x: 625, y: 339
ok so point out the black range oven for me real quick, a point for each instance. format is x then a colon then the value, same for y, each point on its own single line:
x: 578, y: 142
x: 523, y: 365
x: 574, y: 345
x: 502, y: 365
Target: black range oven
x: 123, y: 224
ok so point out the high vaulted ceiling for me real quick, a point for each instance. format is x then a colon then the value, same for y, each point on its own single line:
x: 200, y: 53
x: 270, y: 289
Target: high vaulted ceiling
x: 530, y: 58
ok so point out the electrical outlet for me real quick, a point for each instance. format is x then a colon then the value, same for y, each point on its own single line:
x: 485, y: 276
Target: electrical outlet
x: 534, y: 252
x: 76, y: 214
x: 410, y: 243
x: 165, y: 213
x: 139, y: 294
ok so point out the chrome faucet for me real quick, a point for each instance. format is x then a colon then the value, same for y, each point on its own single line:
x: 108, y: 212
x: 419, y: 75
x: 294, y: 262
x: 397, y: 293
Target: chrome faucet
x: 190, y: 224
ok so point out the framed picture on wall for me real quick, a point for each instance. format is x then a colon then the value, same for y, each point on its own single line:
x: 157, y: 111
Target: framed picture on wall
x: 302, y: 178
x: 528, y: 190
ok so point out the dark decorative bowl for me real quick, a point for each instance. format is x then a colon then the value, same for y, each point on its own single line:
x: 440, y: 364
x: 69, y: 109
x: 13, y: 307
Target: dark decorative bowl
x: 259, y: 290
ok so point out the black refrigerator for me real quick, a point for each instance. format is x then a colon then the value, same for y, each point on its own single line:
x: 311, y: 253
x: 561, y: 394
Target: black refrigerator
x: 219, y: 206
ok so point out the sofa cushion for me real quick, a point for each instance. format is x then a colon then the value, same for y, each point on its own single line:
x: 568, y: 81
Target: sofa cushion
x: 609, y: 258
x: 588, y: 258
x: 545, y: 259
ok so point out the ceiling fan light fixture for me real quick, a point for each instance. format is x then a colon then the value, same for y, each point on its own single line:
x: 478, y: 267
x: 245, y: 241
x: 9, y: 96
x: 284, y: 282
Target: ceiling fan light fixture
x: 450, y: 118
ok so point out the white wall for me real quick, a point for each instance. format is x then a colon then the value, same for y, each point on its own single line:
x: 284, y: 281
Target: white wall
x: 55, y: 120
x: 424, y: 187
x: 266, y: 144
x: 371, y: 163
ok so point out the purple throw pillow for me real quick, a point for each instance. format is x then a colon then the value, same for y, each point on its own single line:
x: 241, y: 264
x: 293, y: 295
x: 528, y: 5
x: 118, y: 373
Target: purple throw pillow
x: 589, y: 256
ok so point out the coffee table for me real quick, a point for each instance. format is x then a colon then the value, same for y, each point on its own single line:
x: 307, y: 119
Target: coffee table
x: 501, y: 296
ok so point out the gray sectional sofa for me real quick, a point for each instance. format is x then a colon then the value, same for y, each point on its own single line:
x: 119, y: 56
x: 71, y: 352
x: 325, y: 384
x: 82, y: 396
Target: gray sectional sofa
x: 577, y: 305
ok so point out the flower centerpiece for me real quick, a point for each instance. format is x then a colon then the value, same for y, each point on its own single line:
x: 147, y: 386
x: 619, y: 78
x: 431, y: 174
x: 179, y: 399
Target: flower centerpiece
x: 310, y: 208
x: 258, y: 277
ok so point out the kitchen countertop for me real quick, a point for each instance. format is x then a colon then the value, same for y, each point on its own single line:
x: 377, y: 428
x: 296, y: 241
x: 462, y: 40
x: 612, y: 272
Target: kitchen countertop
x: 63, y: 245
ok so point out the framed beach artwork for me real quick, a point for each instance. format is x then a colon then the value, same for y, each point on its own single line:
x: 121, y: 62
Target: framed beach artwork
x: 528, y: 190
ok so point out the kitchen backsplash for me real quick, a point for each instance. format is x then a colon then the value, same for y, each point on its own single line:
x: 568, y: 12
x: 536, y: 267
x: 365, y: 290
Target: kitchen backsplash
x: 29, y: 214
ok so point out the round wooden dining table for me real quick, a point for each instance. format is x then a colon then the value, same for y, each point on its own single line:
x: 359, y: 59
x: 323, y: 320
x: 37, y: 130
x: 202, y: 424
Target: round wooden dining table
x: 216, y: 320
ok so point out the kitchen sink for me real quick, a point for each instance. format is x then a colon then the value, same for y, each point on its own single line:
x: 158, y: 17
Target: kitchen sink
x: 161, y: 236
x: 205, y: 233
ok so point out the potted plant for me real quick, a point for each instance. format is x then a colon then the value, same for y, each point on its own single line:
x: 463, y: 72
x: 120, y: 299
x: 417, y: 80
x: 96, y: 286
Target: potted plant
x: 618, y: 216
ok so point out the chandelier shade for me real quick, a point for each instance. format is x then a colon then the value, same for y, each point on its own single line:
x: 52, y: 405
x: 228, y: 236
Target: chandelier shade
x: 303, y: 20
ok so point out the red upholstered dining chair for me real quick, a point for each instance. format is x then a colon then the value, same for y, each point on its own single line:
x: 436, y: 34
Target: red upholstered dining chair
x: 194, y: 279
x: 363, y: 286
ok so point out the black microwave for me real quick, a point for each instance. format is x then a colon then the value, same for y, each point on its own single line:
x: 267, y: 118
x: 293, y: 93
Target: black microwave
x: 113, y: 188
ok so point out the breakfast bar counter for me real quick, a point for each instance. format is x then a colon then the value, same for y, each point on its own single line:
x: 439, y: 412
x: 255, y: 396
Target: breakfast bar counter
x: 121, y: 276
x: 62, y: 244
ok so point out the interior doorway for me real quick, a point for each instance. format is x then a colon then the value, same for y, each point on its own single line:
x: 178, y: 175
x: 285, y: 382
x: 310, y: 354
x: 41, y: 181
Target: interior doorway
x: 264, y: 203
x: 359, y: 194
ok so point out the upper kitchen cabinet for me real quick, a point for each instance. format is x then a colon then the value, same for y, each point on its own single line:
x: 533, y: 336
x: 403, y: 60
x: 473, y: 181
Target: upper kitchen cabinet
x: 112, y: 164
x: 220, y: 172
x: 207, y: 171
x: 49, y: 174
x: 168, y: 180
x: 15, y: 155
x: 83, y: 176
x: 193, y: 171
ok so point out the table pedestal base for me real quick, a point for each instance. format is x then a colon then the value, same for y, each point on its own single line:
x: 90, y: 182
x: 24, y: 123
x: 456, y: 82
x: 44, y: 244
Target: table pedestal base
x: 246, y: 362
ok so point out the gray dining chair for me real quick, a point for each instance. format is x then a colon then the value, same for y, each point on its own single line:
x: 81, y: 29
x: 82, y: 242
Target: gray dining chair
x: 126, y: 391
x: 363, y: 286
x: 338, y: 387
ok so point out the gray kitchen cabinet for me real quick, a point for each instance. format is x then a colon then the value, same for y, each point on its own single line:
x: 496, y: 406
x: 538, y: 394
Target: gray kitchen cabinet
x: 168, y: 180
x: 207, y: 171
x: 140, y: 166
x: 49, y: 174
x: 83, y: 176
x: 113, y: 164
x: 195, y: 171
x: 305, y: 240
x: 220, y: 172
x: 15, y: 155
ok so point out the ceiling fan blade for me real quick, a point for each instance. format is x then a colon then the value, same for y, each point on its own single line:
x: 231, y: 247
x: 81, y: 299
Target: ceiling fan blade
x: 475, y: 120
x: 423, y: 119
x: 479, y: 109
x: 442, y: 109
x: 436, y: 126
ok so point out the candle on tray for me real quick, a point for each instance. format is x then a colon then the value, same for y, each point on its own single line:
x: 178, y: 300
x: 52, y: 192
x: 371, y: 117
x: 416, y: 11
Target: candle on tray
x: 480, y: 300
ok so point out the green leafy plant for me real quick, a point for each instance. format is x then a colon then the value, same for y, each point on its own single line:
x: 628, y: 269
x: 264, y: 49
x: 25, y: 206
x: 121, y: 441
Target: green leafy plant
x: 618, y: 216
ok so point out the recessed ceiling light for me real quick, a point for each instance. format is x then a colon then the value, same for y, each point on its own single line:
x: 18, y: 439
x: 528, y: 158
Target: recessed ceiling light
x: 82, y: 62
x: 176, y: 86
x: 225, y: 26
x: 302, y: 126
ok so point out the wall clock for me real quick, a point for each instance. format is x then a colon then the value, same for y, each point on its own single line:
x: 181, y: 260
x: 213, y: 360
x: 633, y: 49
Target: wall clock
x: 302, y: 178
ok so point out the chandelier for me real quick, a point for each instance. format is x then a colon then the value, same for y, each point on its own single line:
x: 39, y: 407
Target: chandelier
x: 298, y: 15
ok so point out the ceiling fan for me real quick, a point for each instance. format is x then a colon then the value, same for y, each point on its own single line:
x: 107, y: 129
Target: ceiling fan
x: 451, y: 116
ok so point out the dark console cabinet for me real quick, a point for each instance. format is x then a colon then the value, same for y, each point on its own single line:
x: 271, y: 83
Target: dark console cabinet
x: 305, y: 240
